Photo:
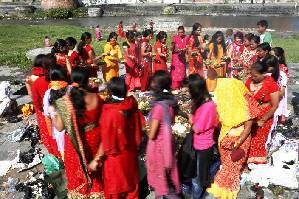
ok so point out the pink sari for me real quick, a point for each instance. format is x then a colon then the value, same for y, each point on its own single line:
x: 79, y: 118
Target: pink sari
x: 178, y: 61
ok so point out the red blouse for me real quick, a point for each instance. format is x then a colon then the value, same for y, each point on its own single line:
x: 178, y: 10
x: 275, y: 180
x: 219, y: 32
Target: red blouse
x: 74, y: 58
x: 61, y: 59
x: 268, y: 87
x: 85, y: 54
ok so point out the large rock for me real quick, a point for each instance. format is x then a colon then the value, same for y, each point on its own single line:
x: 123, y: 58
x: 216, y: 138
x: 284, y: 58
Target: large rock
x: 31, y: 54
x: 49, y: 4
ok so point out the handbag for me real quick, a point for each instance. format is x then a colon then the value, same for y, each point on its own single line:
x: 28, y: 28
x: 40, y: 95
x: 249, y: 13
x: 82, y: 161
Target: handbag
x: 237, y: 154
x: 187, y: 159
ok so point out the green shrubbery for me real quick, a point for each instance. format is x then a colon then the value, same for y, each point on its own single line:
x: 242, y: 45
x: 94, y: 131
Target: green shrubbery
x: 58, y: 13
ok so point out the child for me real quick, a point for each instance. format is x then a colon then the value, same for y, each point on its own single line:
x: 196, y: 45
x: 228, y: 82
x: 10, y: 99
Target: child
x: 162, y: 171
x: 282, y: 111
x: 262, y: 30
x: 98, y: 33
x: 229, y: 37
x: 47, y: 41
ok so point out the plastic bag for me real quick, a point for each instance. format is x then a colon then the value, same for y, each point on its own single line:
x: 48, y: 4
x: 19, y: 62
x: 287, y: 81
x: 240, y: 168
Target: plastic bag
x: 51, y: 164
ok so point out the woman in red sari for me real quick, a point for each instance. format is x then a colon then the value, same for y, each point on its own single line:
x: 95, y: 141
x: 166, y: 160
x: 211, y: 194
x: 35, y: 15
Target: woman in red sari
x: 78, y: 113
x: 120, y: 30
x: 131, y: 63
x: 161, y: 52
x: 195, y: 46
x: 87, y: 54
x: 121, y: 125
x: 266, y: 91
x: 146, y: 59
x: 38, y: 89
x: 36, y: 72
x: 60, y: 50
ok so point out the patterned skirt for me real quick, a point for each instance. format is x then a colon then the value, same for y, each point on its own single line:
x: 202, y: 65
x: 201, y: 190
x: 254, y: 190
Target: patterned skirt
x: 226, y: 183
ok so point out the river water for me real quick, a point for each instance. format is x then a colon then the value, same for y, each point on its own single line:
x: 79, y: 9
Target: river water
x: 171, y: 22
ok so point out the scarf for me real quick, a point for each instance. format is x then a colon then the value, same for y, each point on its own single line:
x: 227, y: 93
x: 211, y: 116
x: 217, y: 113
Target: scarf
x: 56, y: 85
x: 68, y: 115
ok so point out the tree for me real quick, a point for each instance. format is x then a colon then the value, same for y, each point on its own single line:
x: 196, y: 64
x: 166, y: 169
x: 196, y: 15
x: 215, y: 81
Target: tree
x: 48, y: 4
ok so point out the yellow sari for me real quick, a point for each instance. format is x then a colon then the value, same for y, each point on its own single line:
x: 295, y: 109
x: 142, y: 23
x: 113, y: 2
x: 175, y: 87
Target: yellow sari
x: 217, y: 60
x: 111, y: 68
x: 233, y: 107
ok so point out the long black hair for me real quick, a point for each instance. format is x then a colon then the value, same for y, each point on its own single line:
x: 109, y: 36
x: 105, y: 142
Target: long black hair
x: 161, y: 35
x: 117, y: 87
x: 215, y: 42
x: 80, y: 76
x: 60, y: 43
x: 265, y: 46
x: 48, y: 62
x: 259, y: 67
x: 130, y: 35
x: 111, y: 35
x: 194, y: 29
x: 272, y: 61
x: 38, y: 61
x: 147, y: 32
x: 57, y: 73
x: 82, y: 43
x: 198, y: 91
x: 161, y: 85
x: 240, y: 35
x: 279, y: 53
x: 256, y: 39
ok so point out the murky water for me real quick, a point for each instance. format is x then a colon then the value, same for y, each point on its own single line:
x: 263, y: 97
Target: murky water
x: 169, y: 22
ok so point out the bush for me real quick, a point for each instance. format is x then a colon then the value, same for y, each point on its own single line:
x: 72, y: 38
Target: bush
x: 59, y: 13
x: 79, y: 12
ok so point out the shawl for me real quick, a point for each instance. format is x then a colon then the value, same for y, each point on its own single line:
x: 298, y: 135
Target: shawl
x: 168, y: 146
x: 68, y: 115
x: 121, y: 126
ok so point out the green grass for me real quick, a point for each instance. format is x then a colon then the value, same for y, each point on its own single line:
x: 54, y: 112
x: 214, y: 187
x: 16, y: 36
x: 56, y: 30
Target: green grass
x: 16, y: 40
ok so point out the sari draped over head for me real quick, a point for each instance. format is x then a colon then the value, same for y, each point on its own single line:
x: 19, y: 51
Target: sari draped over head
x: 68, y: 116
x: 234, y: 104
x: 117, y: 135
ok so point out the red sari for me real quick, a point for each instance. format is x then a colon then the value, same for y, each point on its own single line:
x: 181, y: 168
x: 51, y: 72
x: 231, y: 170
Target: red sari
x: 121, y: 126
x: 38, y: 89
x: 61, y: 59
x: 74, y: 58
x: 79, y: 183
x: 160, y: 63
x: 195, y: 58
x: 257, y: 151
x: 132, y: 67
x: 88, y: 60
x: 146, y: 63
x: 120, y: 31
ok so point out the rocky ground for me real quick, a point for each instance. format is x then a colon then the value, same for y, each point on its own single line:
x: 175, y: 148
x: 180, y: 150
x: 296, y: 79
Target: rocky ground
x: 8, y: 150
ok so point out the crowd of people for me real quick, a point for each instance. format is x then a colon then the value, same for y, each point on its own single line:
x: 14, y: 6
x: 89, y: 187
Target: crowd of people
x: 237, y: 83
